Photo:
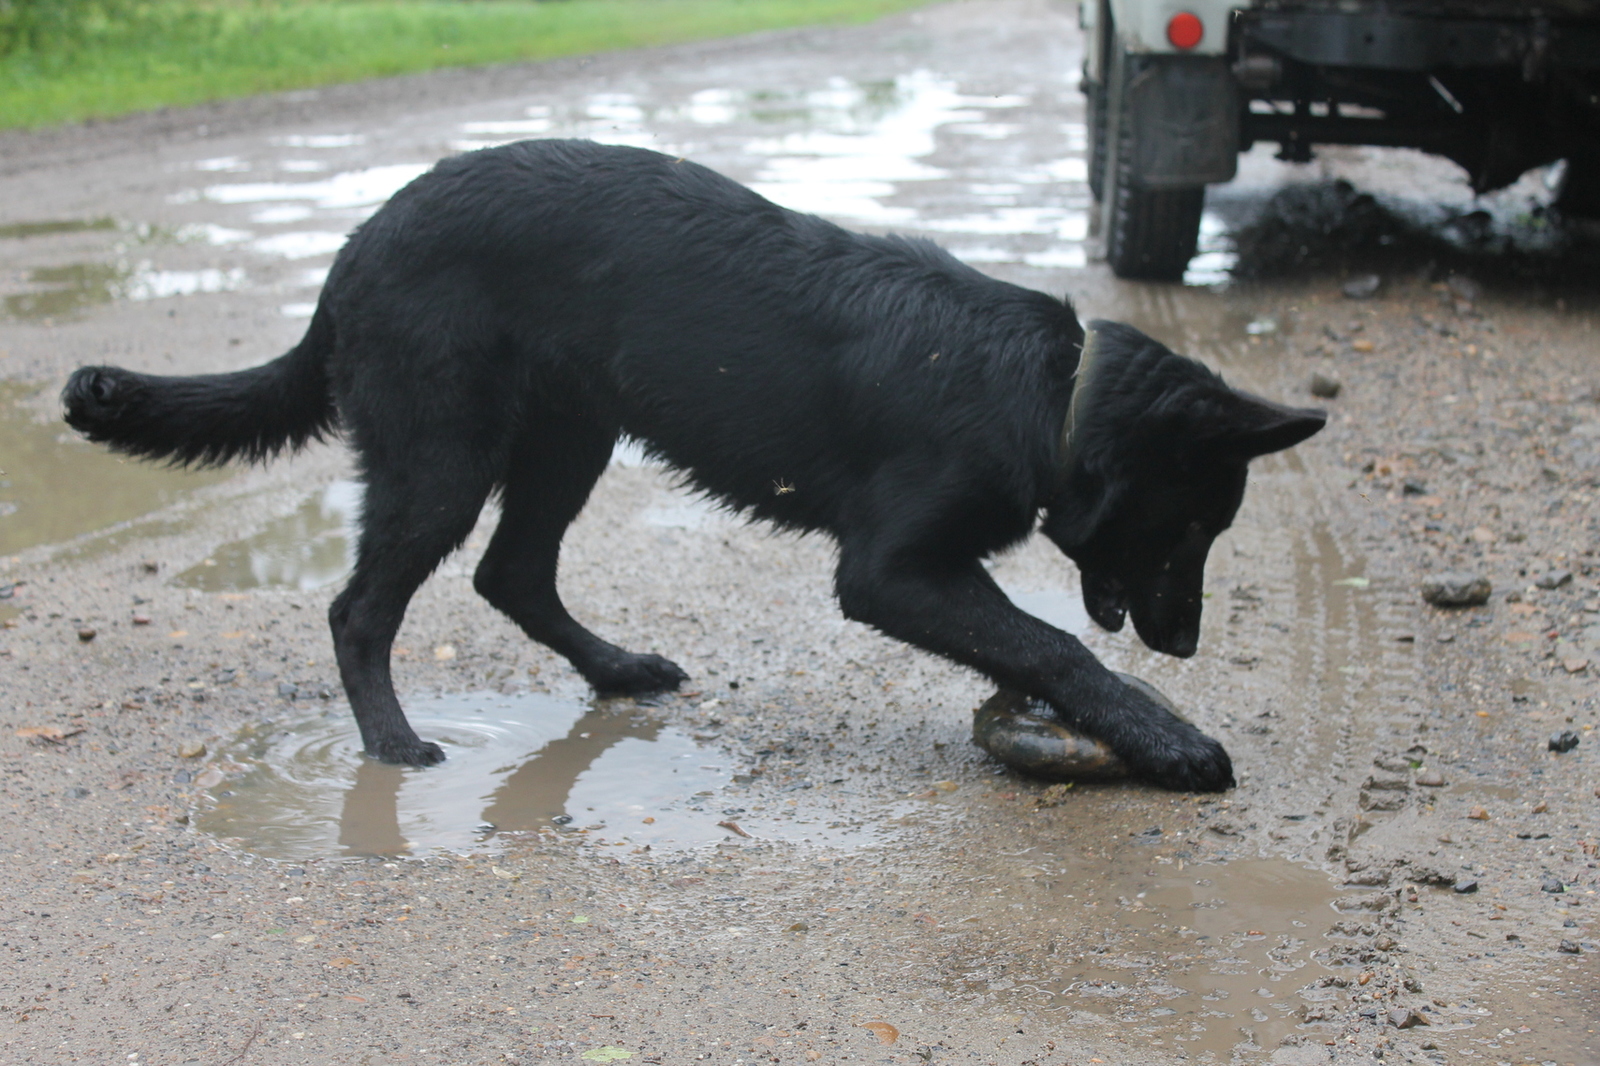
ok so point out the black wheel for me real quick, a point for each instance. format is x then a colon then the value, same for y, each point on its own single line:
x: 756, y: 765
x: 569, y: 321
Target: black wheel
x: 1096, y: 103
x: 1579, y: 196
x: 1150, y: 234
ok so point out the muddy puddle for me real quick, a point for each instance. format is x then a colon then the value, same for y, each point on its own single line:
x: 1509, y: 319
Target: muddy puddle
x: 55, y: 486
x: 300, y: 788
x: 307, y: 549
x: 1212, y: 959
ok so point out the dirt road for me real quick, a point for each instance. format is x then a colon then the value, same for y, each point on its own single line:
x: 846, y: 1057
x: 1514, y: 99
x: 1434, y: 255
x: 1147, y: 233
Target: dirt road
x: 803, y: 859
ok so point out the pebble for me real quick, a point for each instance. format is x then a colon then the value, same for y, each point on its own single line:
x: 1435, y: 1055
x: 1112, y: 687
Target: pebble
x: 1324, y: 387
x: 1478, y: 814
x: 76, y: 792
x: 1406, y: 1018
x: 1362, y: 345
x: 141, y: 619
x: 192, y: 749
x: 1569, y: 947
x: 86, y: 634
x: 1552, y: 884
x: 1430, y: 779
x: 1362, y: 286
x: 1553, y: 579
x: 1563, y: 741
x: 1456, y: 589
x: 1465, y: 886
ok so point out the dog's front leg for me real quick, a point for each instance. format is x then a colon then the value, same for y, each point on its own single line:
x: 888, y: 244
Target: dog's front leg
x: 957, y: 611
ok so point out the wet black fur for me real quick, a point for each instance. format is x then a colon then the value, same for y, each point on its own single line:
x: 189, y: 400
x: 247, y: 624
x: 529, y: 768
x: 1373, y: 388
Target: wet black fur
x: 506, y: 317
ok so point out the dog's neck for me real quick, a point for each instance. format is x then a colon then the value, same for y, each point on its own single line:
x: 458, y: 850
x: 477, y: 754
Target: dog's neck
x: 1072, y: 425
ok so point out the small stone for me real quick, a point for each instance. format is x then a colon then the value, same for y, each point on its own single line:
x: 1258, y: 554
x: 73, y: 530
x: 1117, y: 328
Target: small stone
x: 1362, y: 345
x: 1406, y: 1018
x: 1552, y: 885
x: 1430, y: 779
x: 1362, y: 286
x: 150, y: 566
x: 86, y: 634
x: 1574, y: 665
x: 1563, y: 741
x: 76, y: 792
x: 1456, y: 589
x: 141, y: 619
x: 1324, y: 387
x: 1478, y: 814
x: 1413, y: 487
x: 288, y: 691
x: 1569, y: 947
x: 1464, y: 288
x: 1465, y: 886
x: 192, y: 749
x: 1553, y: 579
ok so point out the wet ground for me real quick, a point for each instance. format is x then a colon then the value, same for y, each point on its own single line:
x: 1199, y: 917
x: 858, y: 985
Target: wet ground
x: 802, y: 858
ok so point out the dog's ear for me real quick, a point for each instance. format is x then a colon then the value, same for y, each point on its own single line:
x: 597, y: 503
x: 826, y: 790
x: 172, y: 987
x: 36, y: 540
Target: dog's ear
x: 1246, y: 426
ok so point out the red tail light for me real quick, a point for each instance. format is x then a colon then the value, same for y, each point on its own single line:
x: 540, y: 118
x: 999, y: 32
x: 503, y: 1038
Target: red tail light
x: 1185, y: 30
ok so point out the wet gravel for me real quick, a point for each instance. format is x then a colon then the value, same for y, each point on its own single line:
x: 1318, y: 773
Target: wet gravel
x: 884, y: 877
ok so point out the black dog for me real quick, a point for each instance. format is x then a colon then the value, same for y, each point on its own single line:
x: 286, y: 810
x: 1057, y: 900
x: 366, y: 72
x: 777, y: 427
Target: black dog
x: 506, y: 317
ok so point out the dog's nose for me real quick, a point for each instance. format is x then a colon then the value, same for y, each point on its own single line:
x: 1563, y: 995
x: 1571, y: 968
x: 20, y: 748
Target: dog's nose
x: 1183, y: 645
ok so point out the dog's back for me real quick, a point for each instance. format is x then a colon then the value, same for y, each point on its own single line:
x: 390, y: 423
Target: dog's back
x: 774, y: 357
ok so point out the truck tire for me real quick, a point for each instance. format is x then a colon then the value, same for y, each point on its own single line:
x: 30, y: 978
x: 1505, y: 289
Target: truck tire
x: 1097, y: 139
x: 1579, y: 195
x: 1150, y: 234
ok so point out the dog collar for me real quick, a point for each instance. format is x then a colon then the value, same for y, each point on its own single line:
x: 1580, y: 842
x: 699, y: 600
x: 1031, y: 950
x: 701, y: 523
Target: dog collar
x: 1067, y: 453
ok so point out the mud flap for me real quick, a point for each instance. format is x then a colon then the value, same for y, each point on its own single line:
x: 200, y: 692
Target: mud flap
x: 1183, y: 114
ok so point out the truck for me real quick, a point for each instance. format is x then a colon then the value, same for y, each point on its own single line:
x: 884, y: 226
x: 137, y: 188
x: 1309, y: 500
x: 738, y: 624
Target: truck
x: 1176, y: 89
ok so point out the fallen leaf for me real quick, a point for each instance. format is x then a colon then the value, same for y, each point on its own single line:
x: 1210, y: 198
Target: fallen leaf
x: 887, y: 1034
x: 341, y: 962
x: 52, y: 733
x: 1362, y: 345
x: 733, y: 827
x: 308, y: 938
x: 606, y: 1054
x: 1354, y: 582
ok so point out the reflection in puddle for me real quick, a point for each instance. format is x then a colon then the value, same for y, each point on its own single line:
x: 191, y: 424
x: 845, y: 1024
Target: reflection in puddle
x: 21, y: 230
x: 38, y: 459
x: 353, y: 189
x: 305, y: 550
x: 1062, y: 608
x: 516, y: 763
x: 63, y: 291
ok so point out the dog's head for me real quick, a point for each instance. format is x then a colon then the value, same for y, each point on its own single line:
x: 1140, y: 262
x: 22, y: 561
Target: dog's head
x: 1152, y: 469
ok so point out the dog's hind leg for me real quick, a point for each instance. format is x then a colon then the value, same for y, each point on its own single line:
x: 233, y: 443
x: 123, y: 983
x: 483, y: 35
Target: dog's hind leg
x: 414, y: 514
x: 553, y: 467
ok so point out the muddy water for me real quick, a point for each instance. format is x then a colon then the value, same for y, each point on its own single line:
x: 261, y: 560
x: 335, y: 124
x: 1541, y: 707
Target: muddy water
x: 55, y: 486
x: 304, y: 550
x: 608, y: 771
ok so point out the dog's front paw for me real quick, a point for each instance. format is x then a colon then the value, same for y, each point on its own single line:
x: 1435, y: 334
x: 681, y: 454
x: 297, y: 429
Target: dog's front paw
x: 412, y: 751
x: 1184, y: 760
x: 636, y: 675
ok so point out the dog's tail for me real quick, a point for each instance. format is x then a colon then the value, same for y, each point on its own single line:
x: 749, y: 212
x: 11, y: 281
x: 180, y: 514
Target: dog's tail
x: 209, y: 419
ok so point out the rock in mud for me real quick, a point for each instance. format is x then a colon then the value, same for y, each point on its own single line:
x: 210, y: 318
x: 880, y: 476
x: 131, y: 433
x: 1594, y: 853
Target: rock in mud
x: 1406, y: 1018
x: 86, y: 634
x: 1324, y: 387
x: 1563, y: 741
x: 1465, y: 886
x: 1553, y: 579
x: 1362, y: 286
x: 1552, y: 884
x: 1456, y: 589
x: 1025, y: 736
x: 1430, y: 779
x: 1569, y: 947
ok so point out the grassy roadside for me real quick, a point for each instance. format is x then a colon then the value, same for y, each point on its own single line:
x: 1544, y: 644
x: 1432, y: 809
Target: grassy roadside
x: 170, y: 53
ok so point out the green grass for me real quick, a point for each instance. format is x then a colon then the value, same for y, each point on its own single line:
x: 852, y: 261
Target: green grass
x: 170, y: 53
